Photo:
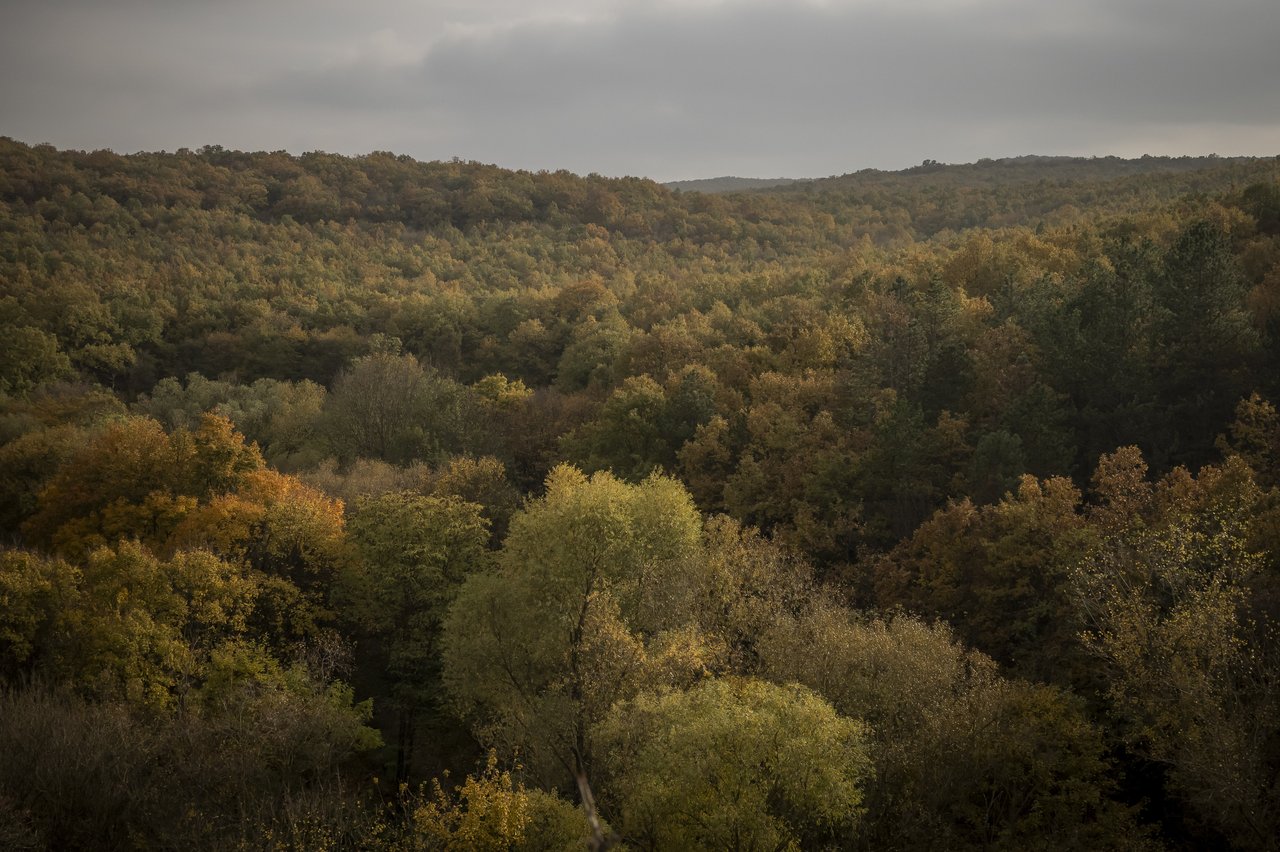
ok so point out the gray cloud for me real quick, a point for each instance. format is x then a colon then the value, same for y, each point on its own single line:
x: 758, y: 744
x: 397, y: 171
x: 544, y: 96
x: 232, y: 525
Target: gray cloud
x: 663, y: 89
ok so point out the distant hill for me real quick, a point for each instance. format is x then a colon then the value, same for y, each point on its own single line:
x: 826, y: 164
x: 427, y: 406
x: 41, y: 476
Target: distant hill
x: 994, y: 193
x: 727, y: 184
x: 1008, y: 171
x: 986, y: 172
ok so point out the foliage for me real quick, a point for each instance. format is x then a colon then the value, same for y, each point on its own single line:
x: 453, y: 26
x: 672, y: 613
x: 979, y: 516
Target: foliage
x: 134, y: 480
x: 963, y: 758
x: 1167, y: 594
x: 734, y: 764
x: 389, y: 407
x: 102, y: 775
x: 582, y: 611
x: 412, y: 554
x: 998, y: 573
x: 280, y: 436
x: 491, y: 811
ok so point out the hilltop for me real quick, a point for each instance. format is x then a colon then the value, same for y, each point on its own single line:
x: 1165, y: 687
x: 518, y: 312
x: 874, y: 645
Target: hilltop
x: 727, y: 184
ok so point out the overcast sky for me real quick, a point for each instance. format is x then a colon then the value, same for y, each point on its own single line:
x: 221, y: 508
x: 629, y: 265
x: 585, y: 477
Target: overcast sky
x: 669, y: 90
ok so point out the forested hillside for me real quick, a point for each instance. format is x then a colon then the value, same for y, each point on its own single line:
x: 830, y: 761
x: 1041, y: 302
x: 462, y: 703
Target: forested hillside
x: 367, y: 503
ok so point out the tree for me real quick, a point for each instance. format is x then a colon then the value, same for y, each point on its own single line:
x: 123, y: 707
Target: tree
x: 627, y: 436
x: 794, y: 475
x: 1192, y: 675
x: 583, y: 610
x: 1255, y: 436
x: 135, y: 485
x: 908, y: 469
x: 132, y: 480
x: 1095, y: 341
x: 291, y: 533
x: 85, y: 774
x: 28, y: 358
x: 412, y: 554
x: 964, y: 759
x: 691, y: 403
x: 124, y: 624
x: 741, y: 582
x: 281, y: 417
x: 1203, y: 339
x: 493, y: 811
x: 482, y: 481
x: 1262, y: 201
x: 999, y: 574
x: 29, y: 460
x: 144, y: 630
x: 390, y: 407
x: 706, y: 461
x: 589, y: 360
x: 35, y: 593
x: 734, y: 764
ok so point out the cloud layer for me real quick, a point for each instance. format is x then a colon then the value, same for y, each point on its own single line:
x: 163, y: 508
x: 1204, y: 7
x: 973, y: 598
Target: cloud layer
x: 664, y: 89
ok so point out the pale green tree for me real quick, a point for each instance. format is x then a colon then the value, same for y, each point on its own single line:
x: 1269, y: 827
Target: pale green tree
x: 585, y: 608
x: 734, y: 764
x: 964, y: 758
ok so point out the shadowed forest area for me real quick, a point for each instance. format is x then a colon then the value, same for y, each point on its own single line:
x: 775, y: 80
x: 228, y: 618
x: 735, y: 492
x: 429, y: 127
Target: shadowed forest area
x: 368, y: 503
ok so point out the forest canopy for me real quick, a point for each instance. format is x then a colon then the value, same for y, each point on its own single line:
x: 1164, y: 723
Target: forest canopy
x: 368, y: 503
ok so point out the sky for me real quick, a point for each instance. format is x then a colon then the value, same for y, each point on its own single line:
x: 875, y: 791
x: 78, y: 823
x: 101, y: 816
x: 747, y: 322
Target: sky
x: 662, y: 89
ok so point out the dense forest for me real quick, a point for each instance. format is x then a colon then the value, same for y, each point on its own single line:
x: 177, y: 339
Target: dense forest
x: 368, y: 503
